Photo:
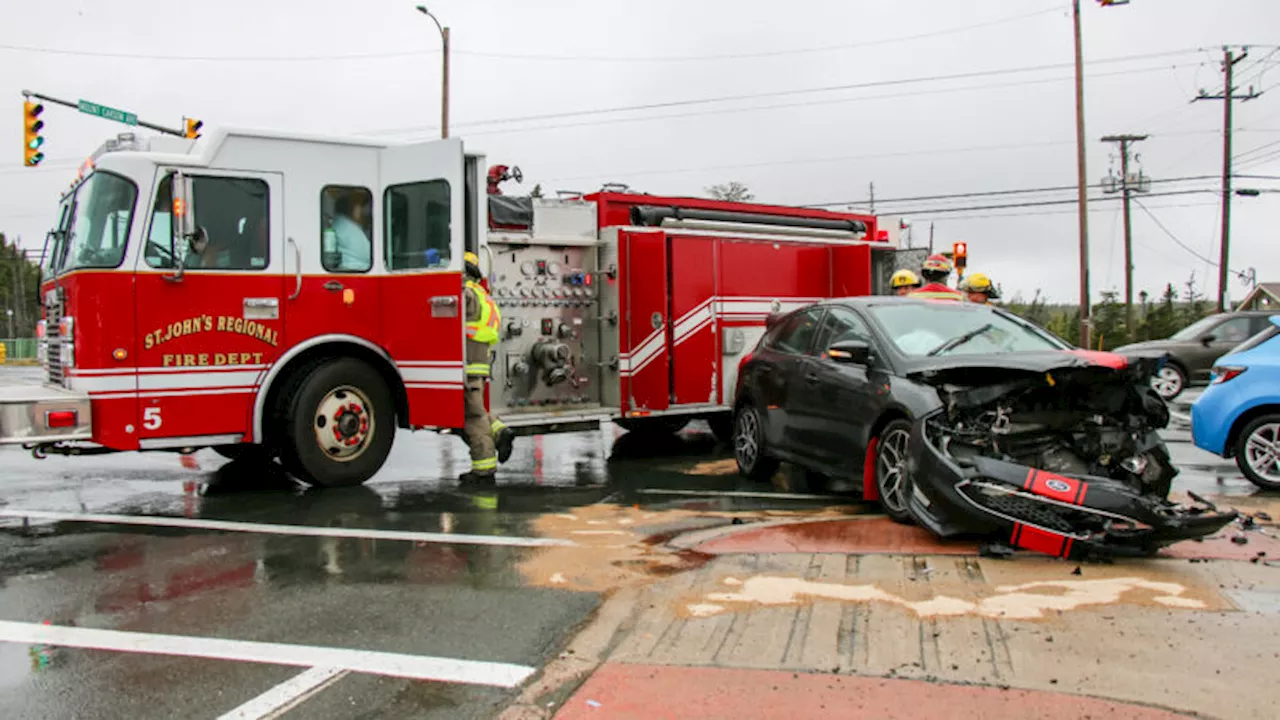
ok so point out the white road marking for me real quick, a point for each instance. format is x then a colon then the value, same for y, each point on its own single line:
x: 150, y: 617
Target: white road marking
x: 287, y: 695
x: 273, y: 529
x: 737, y: 493
x: 414, y: 667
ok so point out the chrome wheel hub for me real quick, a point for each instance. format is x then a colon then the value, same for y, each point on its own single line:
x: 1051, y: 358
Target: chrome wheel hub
x: 344, y: 423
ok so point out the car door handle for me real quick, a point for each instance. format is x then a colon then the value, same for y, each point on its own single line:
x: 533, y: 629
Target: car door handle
x: 333, y: 286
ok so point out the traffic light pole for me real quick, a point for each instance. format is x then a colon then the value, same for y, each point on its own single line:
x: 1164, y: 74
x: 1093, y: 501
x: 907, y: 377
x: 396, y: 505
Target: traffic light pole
x: 76, y: 106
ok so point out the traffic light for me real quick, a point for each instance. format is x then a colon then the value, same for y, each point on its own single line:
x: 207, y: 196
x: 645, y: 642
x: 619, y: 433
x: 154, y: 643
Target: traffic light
x: 31, y: 139
x: 192, y: 129
x: 960, y: 256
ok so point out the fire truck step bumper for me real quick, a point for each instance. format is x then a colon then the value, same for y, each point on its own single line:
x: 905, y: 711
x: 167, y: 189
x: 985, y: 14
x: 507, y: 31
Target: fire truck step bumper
x: 43, y: 413
x: 535, y: 422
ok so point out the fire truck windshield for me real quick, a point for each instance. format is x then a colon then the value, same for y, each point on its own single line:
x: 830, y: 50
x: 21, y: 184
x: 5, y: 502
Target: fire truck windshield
x: 94, y: 229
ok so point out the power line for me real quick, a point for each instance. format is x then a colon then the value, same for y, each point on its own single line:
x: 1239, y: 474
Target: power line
x: 991, y: 193
x: 1175, y: 239
x: 533, y: 56
x: 1045, y: 213
x: 217, y: 58
x: 793, y: 92
x: 1056, y: 7
x: 1039, y: 203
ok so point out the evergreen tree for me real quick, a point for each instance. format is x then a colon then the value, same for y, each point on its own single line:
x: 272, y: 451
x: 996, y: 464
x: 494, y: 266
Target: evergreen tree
x: 19, y: 290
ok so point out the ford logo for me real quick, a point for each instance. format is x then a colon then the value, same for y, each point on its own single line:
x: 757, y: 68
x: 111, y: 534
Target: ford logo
x: 1057, y: 485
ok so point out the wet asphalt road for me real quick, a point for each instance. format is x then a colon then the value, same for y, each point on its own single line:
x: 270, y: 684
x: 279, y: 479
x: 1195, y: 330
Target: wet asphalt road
x: 422, y: 598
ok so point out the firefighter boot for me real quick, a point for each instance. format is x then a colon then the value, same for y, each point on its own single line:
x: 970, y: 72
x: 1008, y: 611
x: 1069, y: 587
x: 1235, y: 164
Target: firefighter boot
x: 478, y: 478
x: 503, y: 439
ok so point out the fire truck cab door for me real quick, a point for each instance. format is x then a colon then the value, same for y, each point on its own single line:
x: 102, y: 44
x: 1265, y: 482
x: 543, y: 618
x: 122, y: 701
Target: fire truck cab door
x: 422, y: 196
x: 207, y: 333
x: 644, y: 362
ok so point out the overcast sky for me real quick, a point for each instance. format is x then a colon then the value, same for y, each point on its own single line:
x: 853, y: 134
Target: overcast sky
x: 538, y: 68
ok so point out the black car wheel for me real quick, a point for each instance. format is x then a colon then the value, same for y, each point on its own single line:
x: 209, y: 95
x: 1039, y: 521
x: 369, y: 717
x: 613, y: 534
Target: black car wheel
x: 749, y: 446
x: 893, y: 479
x: 1258, y: 452
x: 1169, y: 382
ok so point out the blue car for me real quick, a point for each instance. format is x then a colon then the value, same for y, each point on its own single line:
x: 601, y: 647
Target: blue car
x: 1239, y: 413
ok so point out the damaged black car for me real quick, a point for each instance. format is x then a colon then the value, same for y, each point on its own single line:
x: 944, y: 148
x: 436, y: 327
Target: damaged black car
x: 969, y: 421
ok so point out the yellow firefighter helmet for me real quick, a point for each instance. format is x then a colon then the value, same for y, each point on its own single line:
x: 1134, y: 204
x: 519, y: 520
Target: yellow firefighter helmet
x: 903, y: 278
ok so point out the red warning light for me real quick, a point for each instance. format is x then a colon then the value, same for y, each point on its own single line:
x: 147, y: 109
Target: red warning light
x: 586, y: 279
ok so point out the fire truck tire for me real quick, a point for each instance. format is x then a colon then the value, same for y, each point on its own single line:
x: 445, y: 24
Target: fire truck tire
x: 243, y: 451
x: 338, y: 423
x: 653, y: 426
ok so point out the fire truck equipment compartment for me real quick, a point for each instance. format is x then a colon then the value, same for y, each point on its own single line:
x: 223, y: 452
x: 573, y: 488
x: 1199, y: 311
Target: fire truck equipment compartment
x: 650, y: 216
x: 509, y: 211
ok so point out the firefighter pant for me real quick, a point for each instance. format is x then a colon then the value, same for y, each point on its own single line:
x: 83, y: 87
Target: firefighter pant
x: 479, y: 429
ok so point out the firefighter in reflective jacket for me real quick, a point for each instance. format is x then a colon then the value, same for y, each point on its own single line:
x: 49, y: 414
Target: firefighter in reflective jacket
x: 489, y: 439
x: 936, y: 270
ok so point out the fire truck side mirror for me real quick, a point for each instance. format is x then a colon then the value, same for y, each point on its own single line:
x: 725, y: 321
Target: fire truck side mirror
x: 182, y: 222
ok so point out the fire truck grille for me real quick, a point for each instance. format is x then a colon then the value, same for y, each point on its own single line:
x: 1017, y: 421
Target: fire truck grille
x: 53, y: 341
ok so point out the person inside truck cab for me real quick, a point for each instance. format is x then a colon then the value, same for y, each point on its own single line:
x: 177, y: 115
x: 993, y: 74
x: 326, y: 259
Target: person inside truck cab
x: 350, y: 222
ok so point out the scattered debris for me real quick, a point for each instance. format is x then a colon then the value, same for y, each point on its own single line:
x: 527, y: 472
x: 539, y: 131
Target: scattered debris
x: 594, y: 703
x: 1077, y: 571
x: 995, y: 549
x: 737, y: 521
x: 1262, y: 516
x: 1240, y: 539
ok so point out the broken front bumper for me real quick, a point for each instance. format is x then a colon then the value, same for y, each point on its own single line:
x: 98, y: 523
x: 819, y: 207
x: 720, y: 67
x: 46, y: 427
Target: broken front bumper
x: 1058, y: 515
x: 43, y: 413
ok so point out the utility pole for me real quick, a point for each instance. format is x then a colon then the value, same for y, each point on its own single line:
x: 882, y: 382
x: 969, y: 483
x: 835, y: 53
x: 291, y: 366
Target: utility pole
x: 1082, y: 182
x: 444, y: 66
x: 1125, y: 186
x: 931, y: 238
x: 1228, y: 96
x: 873, y: 198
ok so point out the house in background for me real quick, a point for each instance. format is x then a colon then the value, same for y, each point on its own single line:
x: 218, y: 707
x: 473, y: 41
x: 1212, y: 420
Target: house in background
x: 1266, y: 296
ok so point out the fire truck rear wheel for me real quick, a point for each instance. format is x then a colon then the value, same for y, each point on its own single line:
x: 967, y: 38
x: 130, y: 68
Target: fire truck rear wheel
x: 653, y: 426
x: 340, y: 423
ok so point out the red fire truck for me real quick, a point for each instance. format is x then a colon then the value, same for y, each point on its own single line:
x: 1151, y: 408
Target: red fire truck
x: 299, y: 298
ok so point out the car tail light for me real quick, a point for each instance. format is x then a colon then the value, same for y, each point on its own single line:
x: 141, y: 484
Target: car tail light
x: 1225, y: 373
x: 60, y: 419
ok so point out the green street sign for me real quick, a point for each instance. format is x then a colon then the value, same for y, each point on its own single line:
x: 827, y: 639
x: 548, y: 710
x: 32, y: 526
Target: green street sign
x: 109, y: 113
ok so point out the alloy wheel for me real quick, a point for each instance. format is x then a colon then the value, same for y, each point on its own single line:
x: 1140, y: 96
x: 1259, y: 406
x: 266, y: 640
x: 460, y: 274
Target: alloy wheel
x: 891, y: 467
x: 1262, y: 451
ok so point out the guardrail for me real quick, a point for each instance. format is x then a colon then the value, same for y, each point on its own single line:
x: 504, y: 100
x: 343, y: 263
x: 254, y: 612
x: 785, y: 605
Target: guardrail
x: 18, y: 351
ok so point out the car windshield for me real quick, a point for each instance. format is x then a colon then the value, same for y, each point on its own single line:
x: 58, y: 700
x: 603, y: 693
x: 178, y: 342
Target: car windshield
x: 97, y: 231
x: 1195, y: 329
x: 918, y: 330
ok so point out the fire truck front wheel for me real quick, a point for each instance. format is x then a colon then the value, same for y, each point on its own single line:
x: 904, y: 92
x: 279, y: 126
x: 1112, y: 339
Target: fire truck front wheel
x: 339, y: 421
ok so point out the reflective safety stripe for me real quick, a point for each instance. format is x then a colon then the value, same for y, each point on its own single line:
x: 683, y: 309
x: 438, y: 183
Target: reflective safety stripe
x: 485, y: 464
x: 928, y: 295
x: 477, y: 368
x: 497, y: 426
x: 485, y: 328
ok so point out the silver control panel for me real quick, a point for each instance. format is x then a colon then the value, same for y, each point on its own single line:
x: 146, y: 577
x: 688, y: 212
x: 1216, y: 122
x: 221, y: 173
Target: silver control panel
x: 549, y: 356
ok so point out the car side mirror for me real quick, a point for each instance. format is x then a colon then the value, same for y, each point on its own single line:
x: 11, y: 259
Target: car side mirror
x: 1208, y: 339
x: 182, y: 224
x: 851, y: 352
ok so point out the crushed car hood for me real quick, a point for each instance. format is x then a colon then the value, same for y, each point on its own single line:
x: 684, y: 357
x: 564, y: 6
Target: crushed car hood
x: 983, y: 369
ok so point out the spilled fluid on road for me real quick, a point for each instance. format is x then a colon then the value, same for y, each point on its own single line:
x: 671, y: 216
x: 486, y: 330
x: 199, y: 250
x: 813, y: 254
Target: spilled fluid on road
x: 1019, y: 602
